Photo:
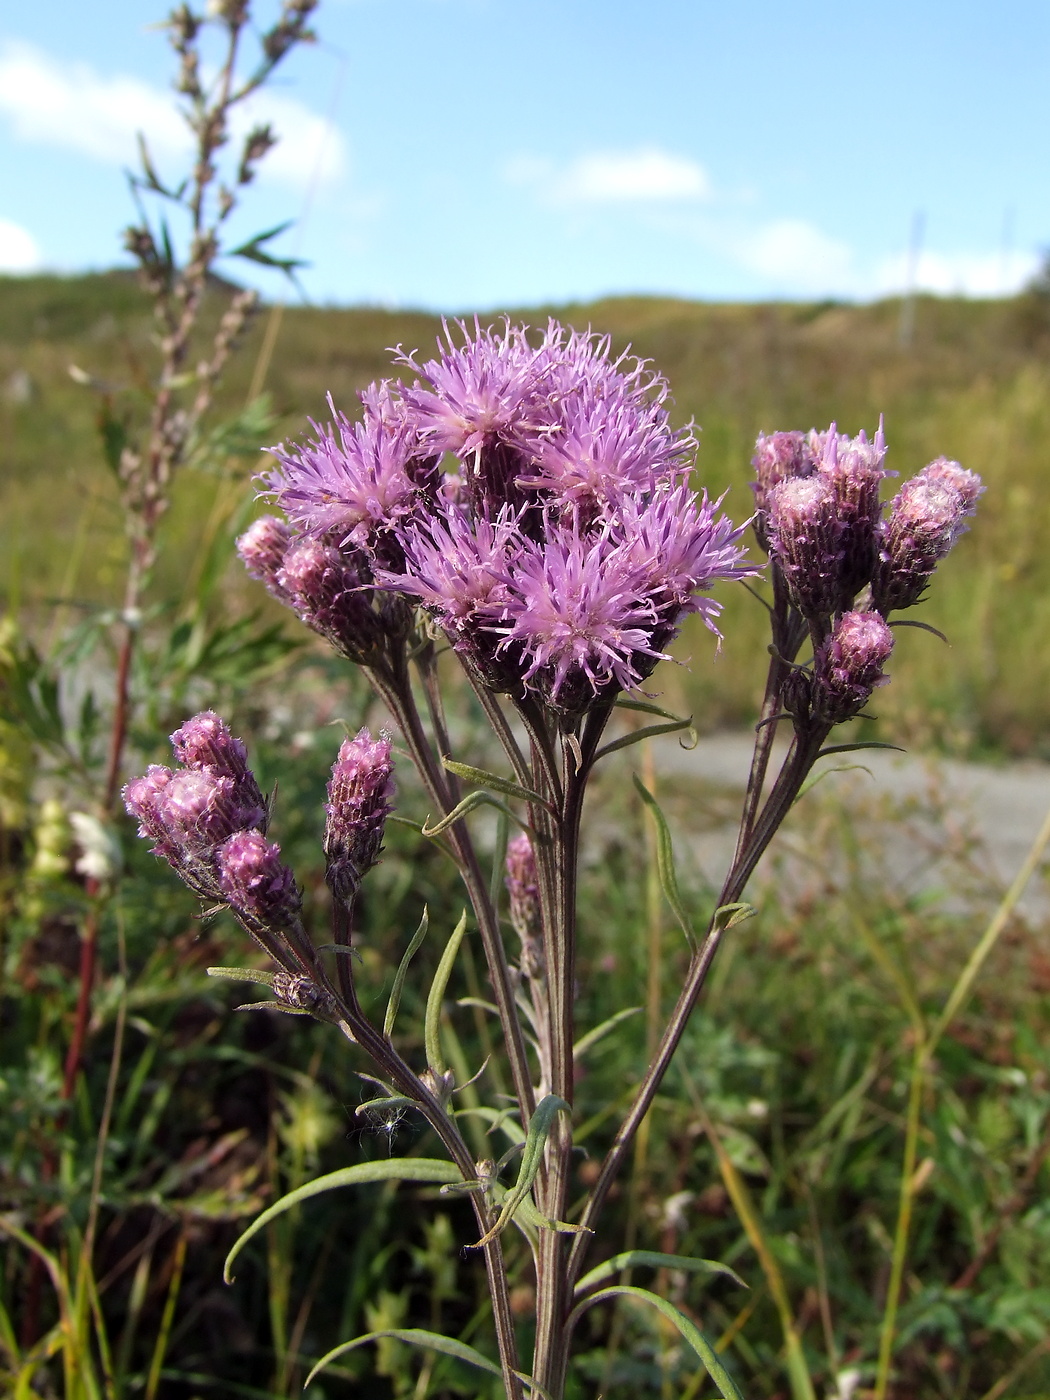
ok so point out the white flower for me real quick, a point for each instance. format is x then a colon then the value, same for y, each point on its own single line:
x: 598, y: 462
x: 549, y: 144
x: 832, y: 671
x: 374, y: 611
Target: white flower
x: 100, y: 857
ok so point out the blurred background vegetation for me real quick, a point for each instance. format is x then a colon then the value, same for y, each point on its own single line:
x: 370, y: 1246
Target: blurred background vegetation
x: 971, y: 383
x: 188, y: 1118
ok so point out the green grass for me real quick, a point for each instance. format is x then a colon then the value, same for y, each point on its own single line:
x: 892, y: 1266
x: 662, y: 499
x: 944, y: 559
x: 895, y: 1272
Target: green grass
x: 975, y: 385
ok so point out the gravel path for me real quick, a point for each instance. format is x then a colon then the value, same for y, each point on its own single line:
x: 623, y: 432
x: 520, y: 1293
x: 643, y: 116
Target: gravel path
x: 979, y: 816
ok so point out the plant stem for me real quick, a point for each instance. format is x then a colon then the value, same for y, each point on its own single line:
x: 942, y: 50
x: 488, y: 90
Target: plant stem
x: 792, y: 775
x: 920, y: 1062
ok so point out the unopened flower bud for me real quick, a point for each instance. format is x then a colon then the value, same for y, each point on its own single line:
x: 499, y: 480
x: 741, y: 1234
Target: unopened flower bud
x: 199, y: 808
x: 524, y: 891
x: 853, y: 467
x: 778, y: 457
x: 205, y: 741
x: 262, y: 548
x: 847, y: 667
x: 805, y: 537
x: 359, y: 794
x: 925, y: 520
x: 142, y: 797
x: 328, y: 592
x: 254, y: 881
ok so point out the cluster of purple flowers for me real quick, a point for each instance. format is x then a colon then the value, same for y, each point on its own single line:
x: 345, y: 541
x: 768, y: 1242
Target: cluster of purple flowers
x: 532, y: 497
x: 847, y: 560
x: 208, y: 820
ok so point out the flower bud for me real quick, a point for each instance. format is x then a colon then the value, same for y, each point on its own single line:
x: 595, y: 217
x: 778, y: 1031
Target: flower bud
x: 778, y: 457
x: 523, y: 887
x: 330, y: 595
x: 805, y: 537
x: 359, y: 794
x: 925, y: 520
x: 254, y: 881
x: 262, y: 548
x: 847, y: 667
x: 205, y: 741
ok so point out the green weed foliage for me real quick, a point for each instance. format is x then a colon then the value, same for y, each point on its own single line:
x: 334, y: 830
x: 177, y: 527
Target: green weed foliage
x: 813, y: 1072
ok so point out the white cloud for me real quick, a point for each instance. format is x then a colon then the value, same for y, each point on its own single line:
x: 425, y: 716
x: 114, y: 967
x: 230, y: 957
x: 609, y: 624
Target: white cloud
x: 18, y: 248
x: 966, y: 274
x: 798, y: 256
x: 71, y: 106
x: 642, y: 175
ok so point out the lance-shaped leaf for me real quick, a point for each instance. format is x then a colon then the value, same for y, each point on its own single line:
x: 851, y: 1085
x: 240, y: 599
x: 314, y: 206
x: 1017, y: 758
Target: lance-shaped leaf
x: 432, y: 1020
x: 646, y: 707
x: 852, y: 748
x: 665, y: 861
x: 473, y: 800
x: 429, y: 1341
x: 651, y: 731
x: 242, y: 974
x: 540, y: 1125
x: 586, y: 1042
x: 402, y: 973
x: 423, y: 1169
x: 689, y: 1331
x: 494, y: 782
x: 637, y: 1258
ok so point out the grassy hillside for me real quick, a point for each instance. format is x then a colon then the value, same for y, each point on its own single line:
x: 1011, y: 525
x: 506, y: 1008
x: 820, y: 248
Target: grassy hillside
x: 973, y: 384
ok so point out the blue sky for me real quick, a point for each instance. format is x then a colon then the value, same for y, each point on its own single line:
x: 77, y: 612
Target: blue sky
x: 484, y: 153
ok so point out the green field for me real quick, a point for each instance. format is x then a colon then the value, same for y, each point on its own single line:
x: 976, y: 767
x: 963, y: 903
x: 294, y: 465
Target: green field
x: 973, y: 384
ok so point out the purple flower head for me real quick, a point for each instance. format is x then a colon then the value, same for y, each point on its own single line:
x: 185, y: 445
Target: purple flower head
x: 356, y: 481
x: 458, y: 570
x: 968, y: 484
x: 205, y: 741
x: 481, y: 392
x: 682, y: 546
x: 805, y: 537
x: 359, y: 794
x: 847, y: 667
x: 926, y: 518
x: 199, y: 808
x: 854, y: 468
x: 262, y: 548
x: 778, y: 457
x: 255, y: 883
x: 330, y: 591
x: 578, y: 624
x: 142, y: 798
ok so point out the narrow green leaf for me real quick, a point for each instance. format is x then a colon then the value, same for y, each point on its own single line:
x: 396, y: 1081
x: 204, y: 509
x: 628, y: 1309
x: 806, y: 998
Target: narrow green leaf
x: 635, y: 1258
x: 923, y: 626
x: 416, y: 1337
x: 689, y: 1331
x: 494, y: 782
x: 242, y: 974
x: 273, y: 1006
x: 402, y: 972
x: 592, y: 1037
x: 540, y: 1125
x: 425, y: 1169
x: 468, y: 804
x: 644, y: 707
x: 852, y: 748
x: 649, y: 732
x: 432, y: 1021
x: 665, y: 861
